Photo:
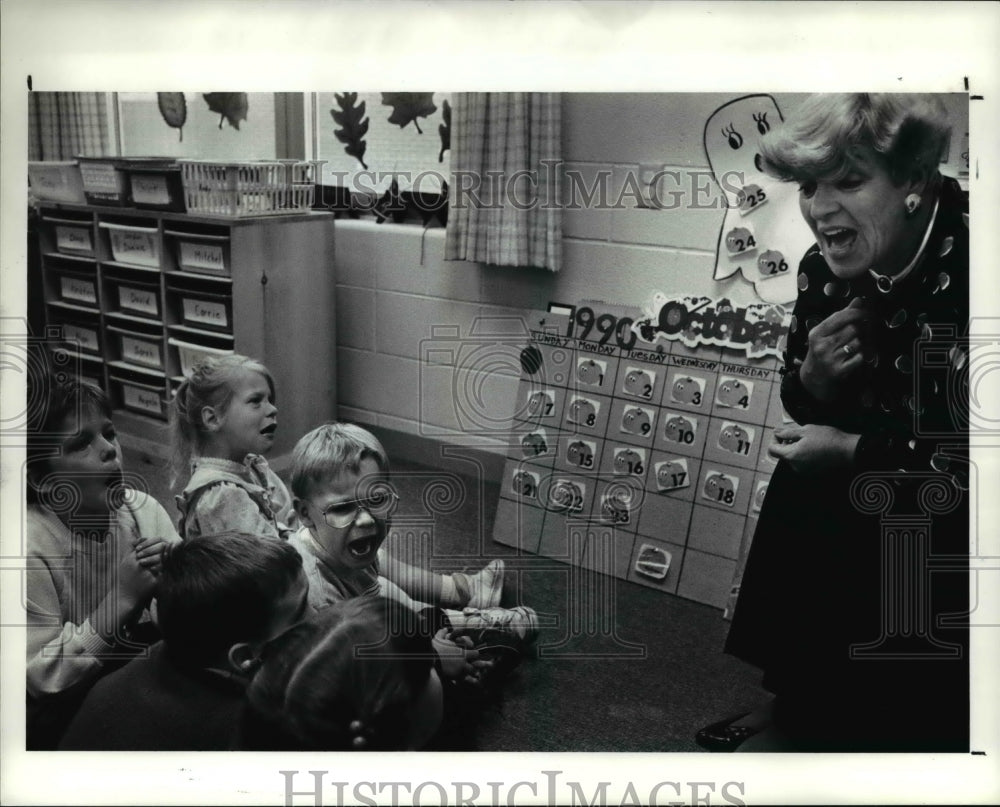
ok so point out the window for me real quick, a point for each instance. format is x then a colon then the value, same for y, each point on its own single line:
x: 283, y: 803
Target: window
x: 388, y: 135
x: 145, y: 133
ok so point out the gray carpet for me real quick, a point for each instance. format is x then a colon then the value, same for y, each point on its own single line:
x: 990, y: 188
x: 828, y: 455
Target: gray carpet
x: 578, y: 693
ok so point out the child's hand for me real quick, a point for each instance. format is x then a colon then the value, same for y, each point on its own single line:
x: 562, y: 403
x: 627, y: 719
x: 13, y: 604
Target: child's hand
x: 135, y: 581
x: 459, y: 659
x: 150, y: 552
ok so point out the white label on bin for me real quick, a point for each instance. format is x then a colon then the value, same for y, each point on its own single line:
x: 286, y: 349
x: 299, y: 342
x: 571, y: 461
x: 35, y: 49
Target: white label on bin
x: 135, y: 246
x: 144, y: 399
x: 75, y: 239
x: 141, y: 351
x: 49, y: 180
x: 202, y: 256
x: 138, y: 300
x: 205, y: 313
x: 86, y: 338
x: 150, y: 190
x: 75, y: 289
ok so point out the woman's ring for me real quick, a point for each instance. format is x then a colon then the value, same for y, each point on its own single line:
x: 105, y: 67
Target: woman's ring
x: 848, y: 350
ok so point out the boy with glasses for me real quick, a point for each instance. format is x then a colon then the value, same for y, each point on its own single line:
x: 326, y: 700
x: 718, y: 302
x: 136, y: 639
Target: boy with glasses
x: 342, y: 496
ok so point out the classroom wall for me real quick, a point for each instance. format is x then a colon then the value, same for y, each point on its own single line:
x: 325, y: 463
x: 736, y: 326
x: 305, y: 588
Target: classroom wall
x: 414, y: 353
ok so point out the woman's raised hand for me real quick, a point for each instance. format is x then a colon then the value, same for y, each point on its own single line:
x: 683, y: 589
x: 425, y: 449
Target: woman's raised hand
x: 837, y: 348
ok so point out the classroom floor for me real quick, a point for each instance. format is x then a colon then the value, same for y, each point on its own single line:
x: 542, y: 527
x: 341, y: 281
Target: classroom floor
x: 618, y: 667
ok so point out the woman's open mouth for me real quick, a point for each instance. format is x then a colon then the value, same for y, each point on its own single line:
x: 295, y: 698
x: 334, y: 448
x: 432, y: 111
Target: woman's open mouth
x: 269, y: 430
x: 838, y: 240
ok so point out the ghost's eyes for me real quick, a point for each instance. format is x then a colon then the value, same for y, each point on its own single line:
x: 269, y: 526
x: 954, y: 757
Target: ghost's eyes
x: 761, y: 120
x: 734, y: 138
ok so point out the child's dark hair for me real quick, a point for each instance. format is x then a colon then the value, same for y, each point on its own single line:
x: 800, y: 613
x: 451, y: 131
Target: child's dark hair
x: 329, y: 450
x: 210, y: 383
x: 353, y: 670
x: 52, y: 398
x: 217, y: 590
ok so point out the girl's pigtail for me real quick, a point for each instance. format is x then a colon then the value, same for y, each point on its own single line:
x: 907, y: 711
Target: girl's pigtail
x: 182, y: 433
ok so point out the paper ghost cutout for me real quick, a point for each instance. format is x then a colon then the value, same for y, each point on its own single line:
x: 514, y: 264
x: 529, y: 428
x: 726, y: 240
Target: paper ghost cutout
x: 763, y: 234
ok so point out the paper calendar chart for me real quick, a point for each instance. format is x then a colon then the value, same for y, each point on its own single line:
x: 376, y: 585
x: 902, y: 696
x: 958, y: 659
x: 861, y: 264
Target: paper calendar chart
x: 659, y: 448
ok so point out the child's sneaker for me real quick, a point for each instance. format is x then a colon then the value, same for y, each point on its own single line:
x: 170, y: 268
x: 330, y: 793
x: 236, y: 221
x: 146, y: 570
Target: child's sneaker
x: 486, y: 585
x: 519, y: 623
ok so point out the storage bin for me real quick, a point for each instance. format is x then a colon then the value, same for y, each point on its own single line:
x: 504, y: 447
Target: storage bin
x: 136, y: 298
x: 140, y: 396
x: 155, y: 183
x: 104, y: 181
x: 135, y: 246
x: 135, y: 347
x: 236, y: 189
x: 81, y: 337
x: 203, y: 309
x: 73, y: 240
x: 56, y: 181
x: 209, y: 256
x: 78, y: 289
x: 190, y: 354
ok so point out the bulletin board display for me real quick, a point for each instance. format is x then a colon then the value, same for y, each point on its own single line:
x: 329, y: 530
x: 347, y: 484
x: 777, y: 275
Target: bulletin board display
x: 655, y: 451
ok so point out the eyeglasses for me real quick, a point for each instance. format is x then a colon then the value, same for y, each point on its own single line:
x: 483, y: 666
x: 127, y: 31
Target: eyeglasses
x: 380, y: 504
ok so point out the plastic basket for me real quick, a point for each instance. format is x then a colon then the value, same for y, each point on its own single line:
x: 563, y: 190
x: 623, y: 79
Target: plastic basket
x: 234, y: 190
x: 104, y: 181
x: 56, y: 182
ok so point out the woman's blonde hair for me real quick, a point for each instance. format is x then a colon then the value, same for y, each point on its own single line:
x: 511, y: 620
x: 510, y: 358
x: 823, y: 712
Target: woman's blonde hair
x: 822, y: 137
x: 211, y: 382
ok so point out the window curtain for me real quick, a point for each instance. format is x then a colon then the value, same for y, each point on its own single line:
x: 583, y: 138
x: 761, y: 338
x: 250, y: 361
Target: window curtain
x: 64, y: 125
x: 503, y: 195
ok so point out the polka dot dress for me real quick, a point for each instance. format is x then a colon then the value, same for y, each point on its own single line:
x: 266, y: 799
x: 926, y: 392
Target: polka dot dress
x: 911, y: 385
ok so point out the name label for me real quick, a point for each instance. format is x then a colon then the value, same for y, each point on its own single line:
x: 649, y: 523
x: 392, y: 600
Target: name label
x: 73, y: 239
x: 203, y: 256
x: 138, y: 247
x: 138, y: 300
x: 138, y: 398
x: 141, y: 351
x: 82, y: 291
x: 150, y: 190
x: 206, y: 313
x: 86, y: 338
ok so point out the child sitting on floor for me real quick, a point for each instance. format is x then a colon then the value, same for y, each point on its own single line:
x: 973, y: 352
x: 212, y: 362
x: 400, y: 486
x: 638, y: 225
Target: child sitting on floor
x: 344, y: 501
x: 219, y: 599
x: 94, y: 548
x: 357, y: 676
x: 224, y: 422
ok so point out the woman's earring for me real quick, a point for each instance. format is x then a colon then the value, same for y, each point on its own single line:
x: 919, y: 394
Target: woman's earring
x: 912, y: 203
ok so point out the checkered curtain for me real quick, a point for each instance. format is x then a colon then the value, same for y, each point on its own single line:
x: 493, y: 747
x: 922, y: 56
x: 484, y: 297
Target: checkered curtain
x: 503, y: 193
x: 64, y: 125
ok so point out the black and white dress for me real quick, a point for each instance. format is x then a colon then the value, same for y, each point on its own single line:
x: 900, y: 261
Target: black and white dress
x: 855, y: 593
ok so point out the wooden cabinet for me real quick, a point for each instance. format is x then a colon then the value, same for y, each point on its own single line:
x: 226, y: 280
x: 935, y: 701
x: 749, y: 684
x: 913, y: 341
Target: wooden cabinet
x: 137, y: 296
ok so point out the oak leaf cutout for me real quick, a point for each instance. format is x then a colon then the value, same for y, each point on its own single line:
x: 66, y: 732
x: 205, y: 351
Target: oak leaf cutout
x: 444, y: 129
x: 173, y: 109
x: 232, y: 106
x: 353, y: 125
x: 408, y: 106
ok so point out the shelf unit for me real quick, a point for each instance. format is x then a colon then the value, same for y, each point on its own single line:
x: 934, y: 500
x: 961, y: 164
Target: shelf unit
x: 138, y: 294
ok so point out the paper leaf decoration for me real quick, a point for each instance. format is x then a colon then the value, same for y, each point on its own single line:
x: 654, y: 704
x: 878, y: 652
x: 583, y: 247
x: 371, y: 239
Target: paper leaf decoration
x: 444, y: 130
x: 408, y: 106
x: 232, y: 106
x: 173, y: 108
x: 353, y: 125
